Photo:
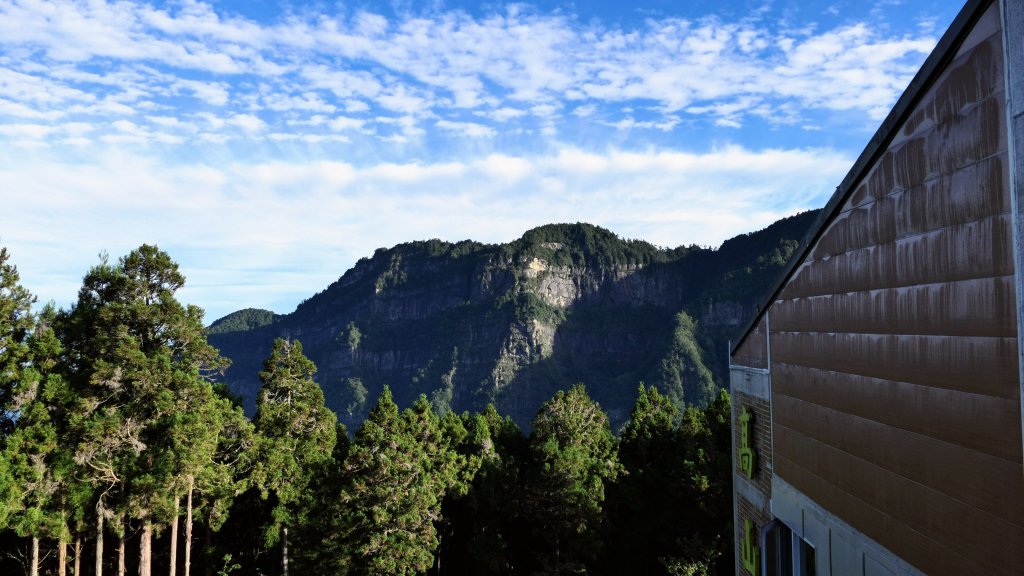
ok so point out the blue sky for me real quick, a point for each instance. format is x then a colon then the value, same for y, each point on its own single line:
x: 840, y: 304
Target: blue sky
x: 269, y: 145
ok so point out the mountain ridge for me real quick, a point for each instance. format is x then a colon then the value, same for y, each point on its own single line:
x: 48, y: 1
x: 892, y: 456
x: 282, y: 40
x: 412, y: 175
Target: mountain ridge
x: 468, y: 323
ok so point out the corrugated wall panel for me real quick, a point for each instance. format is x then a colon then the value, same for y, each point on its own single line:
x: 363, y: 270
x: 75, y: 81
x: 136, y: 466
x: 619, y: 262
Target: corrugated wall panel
x: 930, y: 556
x: 975, y: 193
x: 978, y: 249
x: 970, y: 194
x: 970, y: 364
x: 924, y: 309
x: 970, y: 476
x: 894, y: 371
x: 987, y: 540
x: 753, y: 352
x: 945, y: 415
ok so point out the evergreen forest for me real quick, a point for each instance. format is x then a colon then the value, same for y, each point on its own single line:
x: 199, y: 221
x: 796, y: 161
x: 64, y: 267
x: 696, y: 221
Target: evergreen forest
x: 120, y: 452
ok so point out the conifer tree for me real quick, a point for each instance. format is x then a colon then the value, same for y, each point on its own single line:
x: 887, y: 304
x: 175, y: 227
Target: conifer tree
x: 574, y: 456
x: 225, y: 475
x: 29, y: 451
x: 16, y: 323
x: 8, y: 497
x: 71, y: 495
x: 706, y: 466
x: 199, y: 432
x: 134, y: 353
x: 396, y: 473
x: 647, y: 506
x: 35, y: 478
x: 296, y: 436
x: 469, y: 439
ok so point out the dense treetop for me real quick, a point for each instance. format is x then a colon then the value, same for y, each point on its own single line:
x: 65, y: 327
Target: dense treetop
x: 117, y: 434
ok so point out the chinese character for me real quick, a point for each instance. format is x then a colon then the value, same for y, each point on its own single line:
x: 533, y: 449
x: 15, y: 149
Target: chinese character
x: 747, y: 459
x: 750, y: 554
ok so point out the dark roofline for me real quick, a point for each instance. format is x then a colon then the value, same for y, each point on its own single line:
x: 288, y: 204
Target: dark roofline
x: 937, y: 61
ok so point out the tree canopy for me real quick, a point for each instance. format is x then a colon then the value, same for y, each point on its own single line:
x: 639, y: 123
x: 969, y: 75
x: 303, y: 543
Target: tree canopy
x: 114, y: 426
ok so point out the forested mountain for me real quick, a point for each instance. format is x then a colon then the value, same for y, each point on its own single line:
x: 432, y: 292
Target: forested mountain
x: 469, y: 324
x: 116, y: 441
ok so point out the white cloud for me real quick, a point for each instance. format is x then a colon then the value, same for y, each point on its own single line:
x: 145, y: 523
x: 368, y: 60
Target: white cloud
x: 499, y: 64
x: 584, y: 111
x: 630, y: 123
x: 342, y: 123
x: 308, y: 138
x: 178, y: 123
x: 213, y: 93
x: 26, y: 131
x: 502, y: 114
x: 356, y: 106
x: 470, y: 129
x: 257, y: 216
x: 247, y: 122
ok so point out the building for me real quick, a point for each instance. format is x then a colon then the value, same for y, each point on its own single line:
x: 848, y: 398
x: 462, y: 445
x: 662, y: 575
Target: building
x: 877, y: 394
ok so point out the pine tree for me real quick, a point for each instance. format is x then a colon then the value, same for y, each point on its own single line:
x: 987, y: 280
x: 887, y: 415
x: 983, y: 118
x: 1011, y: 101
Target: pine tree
x: 135, y: 355
x: 648, y: 506
x: 469, y: 440
x: 16, y: 323
x: 225, y: 475
x: 296, y: 436
x: 707, y: 443
x: 193, y: 438
x: 313, y: 552
x: 31, y: 494
x: 29, y: 451
x: 396, y: 473
x: 574, y: 456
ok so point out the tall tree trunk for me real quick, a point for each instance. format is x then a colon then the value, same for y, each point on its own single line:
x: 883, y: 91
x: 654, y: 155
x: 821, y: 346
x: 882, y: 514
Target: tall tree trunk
x: 284, y: 550
x: 174, y: 540
x: 99, y: 543
x: 78, y: 554
x: 34, y: 569
x: 208, y: 542
x: 188, y: 527
x: 120, y: 553
x: 146, y: 548
x: 62, y: 557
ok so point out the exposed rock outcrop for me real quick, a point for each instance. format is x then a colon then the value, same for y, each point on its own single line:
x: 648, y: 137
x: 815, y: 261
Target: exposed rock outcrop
x: 467, y: 323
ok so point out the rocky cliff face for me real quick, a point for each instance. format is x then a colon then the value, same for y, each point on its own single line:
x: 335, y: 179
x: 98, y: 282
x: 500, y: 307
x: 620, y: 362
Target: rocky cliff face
x: 467, y: 323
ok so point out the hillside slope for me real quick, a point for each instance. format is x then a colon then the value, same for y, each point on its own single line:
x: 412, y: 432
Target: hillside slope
x: 469, y: 323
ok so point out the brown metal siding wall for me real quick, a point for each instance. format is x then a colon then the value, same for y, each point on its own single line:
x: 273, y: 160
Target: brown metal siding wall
x: 894, y: 372
x: 753, y: 352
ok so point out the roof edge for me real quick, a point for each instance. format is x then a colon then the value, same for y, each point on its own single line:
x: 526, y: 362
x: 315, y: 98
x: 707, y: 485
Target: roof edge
x: 940, y: 57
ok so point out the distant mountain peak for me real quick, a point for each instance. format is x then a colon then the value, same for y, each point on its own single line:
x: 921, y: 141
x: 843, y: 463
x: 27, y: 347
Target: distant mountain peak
x: 242, y: 321
x: 468, y: 324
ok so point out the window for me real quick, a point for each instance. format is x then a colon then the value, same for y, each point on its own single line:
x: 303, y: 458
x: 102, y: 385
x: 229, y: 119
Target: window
x: 785, y: 553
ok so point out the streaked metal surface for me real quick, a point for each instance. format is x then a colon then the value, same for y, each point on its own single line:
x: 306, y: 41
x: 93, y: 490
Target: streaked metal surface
x: 895, y: 382
x: 978, y: 307
x: 968, y: 364
x: 974, y: 193
x: 945, y: 415
x: 953, y: 531
x: 753, y: 353
x: 978, y: 249
x: 975, y: 478
x: 1013, y: 22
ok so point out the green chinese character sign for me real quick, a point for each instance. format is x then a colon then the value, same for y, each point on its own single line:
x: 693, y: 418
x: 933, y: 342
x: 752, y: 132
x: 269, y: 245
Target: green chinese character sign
x: 750, y: 553
x: 747, y: 459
